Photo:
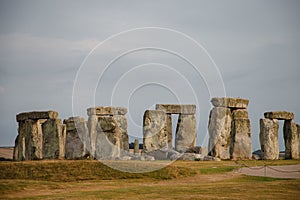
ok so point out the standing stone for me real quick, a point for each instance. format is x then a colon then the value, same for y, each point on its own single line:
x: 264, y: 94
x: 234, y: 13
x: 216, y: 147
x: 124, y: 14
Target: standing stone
x: 298, y: 131
x: 291, y: 140
x: 185, y: 132
x: 54, y: 135
x: 108, y: 142
x: 169, y: 130
x: 16, y: 150
x: 33, y: 139
x: 122, y: 124
x: 219, y: 129
x: 241, y: 147
x: 154, y: 130
x: 21, y: 141
x: 269, y: 139
x: 76, y: 137
x: 98, y: 116
x: 92, y: 127
x: 136, y: 146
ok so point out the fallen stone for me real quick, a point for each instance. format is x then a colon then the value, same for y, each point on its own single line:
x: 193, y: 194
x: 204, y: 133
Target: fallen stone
x: 269, y: 139
x: 35, y: 115
x: 230, y: 102
x: 281, y: 115
x: 291, y: 140
x: 177, y: 108
x: 197, y: 150
x: 185, y: 132
x: 211, y: 158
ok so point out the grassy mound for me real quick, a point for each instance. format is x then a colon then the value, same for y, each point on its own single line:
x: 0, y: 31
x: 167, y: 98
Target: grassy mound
x: 81, y: 170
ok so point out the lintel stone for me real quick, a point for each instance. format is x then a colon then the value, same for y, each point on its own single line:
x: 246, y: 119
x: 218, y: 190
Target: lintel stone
x: 177, y: 108
x: 281, y: 115
x: 230, y: 102
x: 106, y: 110
x: 35, y: 115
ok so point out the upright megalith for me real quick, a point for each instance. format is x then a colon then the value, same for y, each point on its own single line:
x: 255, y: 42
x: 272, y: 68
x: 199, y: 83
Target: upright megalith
x: 229, y: 129
x: 219, y: 129
x: 185, y: 132
x: 54, y: 138
x: 269, y: 138
x: 108, y: 138
x: 154, y: 131
x: 269, y: 135
x: 76, y: 138
x: 291, y: 140
x: 40, y: 136
x: 136, y: 147
x: 186, y: 126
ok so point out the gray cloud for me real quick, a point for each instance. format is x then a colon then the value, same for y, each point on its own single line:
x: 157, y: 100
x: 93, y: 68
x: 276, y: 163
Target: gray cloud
x: 255, y: 45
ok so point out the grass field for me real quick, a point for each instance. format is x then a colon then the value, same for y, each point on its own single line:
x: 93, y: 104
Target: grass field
x: 181, y: 180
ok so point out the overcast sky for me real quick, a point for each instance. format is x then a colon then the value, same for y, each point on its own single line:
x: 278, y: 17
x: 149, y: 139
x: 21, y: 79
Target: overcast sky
x: 252, y: 47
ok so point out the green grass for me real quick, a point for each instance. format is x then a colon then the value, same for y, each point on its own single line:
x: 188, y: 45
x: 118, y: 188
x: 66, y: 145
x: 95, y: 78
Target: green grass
x: 82, y: 170
x: 182, y: 180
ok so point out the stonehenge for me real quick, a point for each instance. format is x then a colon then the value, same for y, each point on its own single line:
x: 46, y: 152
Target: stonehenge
x: 157, y: 129
x: 229, y: 129
x: 269, y: 135
x: 76, y: 138
x: 42, y: 135
x: 107, y: 132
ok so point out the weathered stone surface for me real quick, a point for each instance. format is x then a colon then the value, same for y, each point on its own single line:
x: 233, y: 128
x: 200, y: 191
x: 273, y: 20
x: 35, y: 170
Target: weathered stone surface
x: 186, y: 132
x: 122, y: 124
x: 197, y: 150
x: 241, y: 147
x: 35, y: 115
x: 176, y: 108
x: 76, y: 138
x: 106, y: 110
x: 92, y: 126
x: 281, y: 115
x: 298, y: 131
x: 169, y: 130
x: 16, y: 149
x: 230, y: 102
x: 108, y: 142
x: 269, y: 139
x: 154, y: 130
x: 291, y: 140
x: 240, y: 114
x: 219, y: 129
x: 136, y: 146
x: 54, y: 134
